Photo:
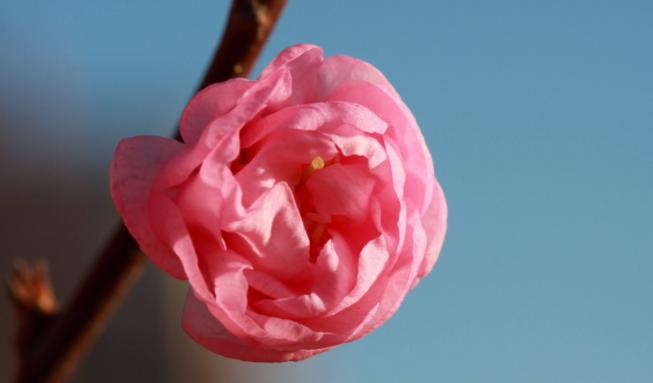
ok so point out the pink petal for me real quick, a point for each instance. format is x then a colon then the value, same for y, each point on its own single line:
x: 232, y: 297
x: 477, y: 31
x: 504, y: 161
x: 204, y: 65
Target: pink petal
x: 169, y: 227
x: 335, y: 271
x: 210, y: 197
x: 282, y: 157
x: 380, y: 300
x: 299, y: 52
x: 399, y: 185
x: 303, y: 63
x: 403, y: 276
x: 219, y: 141
x: 380, y: 289
x: 201, y: 203
x: 209, y: 104
x: 388, y: 294
x: 271, y: 234
x: 352, y: 319
x: 200, y: 325
x: 360, y: 145
x: 268, y: 285
x: 291, y: 335
x: 231, y: 308
x: 389, y: 218
x: 229, y: 303
x: 403, y: 132
x: 435, y: 224
x: 136, y: 163
x: 295, y: 307
x: 400, y: 280
x: 342, y: 190
x: 334, y: 276
x: 318, y: 116
x: 338, y: 70
x: 371, y: 263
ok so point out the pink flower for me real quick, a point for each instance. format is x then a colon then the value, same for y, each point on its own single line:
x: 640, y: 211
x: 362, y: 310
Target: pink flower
x: 301, y: 206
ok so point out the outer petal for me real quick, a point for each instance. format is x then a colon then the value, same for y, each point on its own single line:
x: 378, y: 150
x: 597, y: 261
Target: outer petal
x: 343, y: 78
x: 435, y: 225
x: 338, y: 70
x: 290, y: 55
x: 322, y: 116
x: 209, y: 332
x: 296, y: 307
x: 136, y: 163
x: 362, y: 301
x: 231, y: 308
x: 170, y: 228
x: 219, y: 139
x: 403, y: 132
x: 384, y: 296
x: 209, y: 104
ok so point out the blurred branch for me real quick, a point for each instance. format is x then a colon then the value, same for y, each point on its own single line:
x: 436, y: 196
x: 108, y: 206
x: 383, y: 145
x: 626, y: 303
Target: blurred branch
x: 50, y: 347
x: 35, y: 305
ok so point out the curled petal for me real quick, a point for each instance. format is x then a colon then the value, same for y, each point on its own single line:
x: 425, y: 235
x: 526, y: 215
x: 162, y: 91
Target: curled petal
x: 342, y: 190
x: 205, y: 329
x: 360, y: 145
x: 371, y: 263
x: 220, y: 137
x: 435, y: 224
x: 210, y: 103
x: 268, y: 285
x: 231, y: 307
x: 318, y: 116
x: 403, y: 133
x: 278, y: 160
x: 338, y: 70
x: 296, y: 307
x: 297, y: 54
x: 171, y: 230
x: 136, y: 163
x: 271, y: 233
x: 335, y: 271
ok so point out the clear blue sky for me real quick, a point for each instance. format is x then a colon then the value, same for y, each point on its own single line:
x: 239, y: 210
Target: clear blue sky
x: 539, y: 115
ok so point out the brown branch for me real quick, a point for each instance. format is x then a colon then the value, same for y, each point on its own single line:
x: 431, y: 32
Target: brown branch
x: 54, y: 356
x: 249, y: 26
x: 35, y: 305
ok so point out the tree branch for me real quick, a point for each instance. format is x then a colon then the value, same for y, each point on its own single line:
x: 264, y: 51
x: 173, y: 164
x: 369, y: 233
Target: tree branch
x: 35, y: 305
x: 56, y: 347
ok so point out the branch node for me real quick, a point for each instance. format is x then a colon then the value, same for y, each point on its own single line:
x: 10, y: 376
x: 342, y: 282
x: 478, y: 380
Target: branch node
x: 35, y: 304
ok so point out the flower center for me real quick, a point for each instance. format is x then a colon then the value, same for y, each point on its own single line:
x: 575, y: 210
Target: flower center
x: 316, y: 230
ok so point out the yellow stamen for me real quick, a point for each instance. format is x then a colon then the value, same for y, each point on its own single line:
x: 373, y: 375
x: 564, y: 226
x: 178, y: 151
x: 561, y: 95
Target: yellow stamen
x: 317, y: 163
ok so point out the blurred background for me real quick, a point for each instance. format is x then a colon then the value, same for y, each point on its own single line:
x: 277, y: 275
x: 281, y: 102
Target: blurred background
x: 539, y: 115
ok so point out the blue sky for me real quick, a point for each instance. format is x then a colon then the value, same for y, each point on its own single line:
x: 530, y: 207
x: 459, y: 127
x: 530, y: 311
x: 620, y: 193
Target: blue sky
x: 539, y: 115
